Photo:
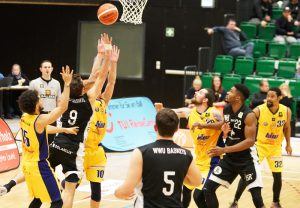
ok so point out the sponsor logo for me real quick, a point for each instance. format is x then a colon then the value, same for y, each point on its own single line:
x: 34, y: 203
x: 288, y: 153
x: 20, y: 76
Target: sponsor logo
x: 202, y: 137
x: 240, y: 115
x: 271, y: 136
x: 249, y: 177
x: 97, y: 109
x: 273, y: 119
x: 41, y: 86
x: 217, y: 170
x: 226, y: 118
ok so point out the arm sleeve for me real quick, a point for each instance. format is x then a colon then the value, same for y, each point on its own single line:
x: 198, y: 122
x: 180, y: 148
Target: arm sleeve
x: 219, y: 29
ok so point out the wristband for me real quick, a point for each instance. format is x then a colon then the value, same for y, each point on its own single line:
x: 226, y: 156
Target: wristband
x: 107, y: 47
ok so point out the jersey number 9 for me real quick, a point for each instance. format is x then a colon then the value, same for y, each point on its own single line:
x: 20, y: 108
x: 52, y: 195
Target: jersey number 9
x: 73, y: 116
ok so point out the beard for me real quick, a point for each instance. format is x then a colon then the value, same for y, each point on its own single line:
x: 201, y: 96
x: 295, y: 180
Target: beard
x: 196, y: 102
x: 41, y: 109
x: 269, y: 104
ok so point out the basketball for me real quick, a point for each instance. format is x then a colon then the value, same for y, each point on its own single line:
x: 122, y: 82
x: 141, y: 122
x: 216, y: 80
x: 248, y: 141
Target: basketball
x: 107, y: 14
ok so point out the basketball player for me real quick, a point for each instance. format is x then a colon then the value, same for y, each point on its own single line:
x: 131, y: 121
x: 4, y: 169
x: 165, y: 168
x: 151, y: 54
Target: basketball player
x: 39, y: 176
x: 160, y: 168
x: 67, y: 150
x: 205, y: 123
x: 273, y: 125
x: 94, y: 155
x: 240, y: 153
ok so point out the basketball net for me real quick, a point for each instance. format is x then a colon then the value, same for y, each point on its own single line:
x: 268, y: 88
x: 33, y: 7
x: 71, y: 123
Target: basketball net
x: 133, y: 11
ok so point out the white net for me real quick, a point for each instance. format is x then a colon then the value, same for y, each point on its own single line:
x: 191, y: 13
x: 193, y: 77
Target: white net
x: 133, y: 11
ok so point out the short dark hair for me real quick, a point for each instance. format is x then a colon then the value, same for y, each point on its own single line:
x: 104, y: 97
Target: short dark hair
x: 76, y: 86
x: 230, y: 20
x: 45, y: 61
x: 27, y: 101
x: 243, y: 90
x: 276, y: 90
x: 210, y: 95
x: 166, y: 122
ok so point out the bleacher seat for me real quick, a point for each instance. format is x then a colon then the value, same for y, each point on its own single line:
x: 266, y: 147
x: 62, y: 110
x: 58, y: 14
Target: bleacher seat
x: 249, y: 29
x: 259, y: 47
x: 244, y: 65
x: 206, y: 80
x: 295, y: 88
x: 275, y: 82
x: 231, y: 79
x: 223, y: 64
x: 276, y: 13
x: 265, y: 67
x: 266, y: 33
x: 252, y: 83
x: 287, y: 69
x: 295, y: 50
x: 277, y: 50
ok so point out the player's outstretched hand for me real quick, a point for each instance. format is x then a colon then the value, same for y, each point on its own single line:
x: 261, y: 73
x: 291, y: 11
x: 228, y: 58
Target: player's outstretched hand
x: 226, y: 129
x: 216, y: 151
x: 115, y: 54
x: 100, y: 46
x: 66, y: 75
x: 72, y: 130
x: 288, y: 149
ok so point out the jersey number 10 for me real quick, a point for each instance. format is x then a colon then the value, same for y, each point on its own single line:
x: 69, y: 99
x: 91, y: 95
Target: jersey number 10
x: 170, y: 182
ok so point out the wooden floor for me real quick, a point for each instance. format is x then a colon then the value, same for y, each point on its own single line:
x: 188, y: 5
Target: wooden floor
x: 117, y: 168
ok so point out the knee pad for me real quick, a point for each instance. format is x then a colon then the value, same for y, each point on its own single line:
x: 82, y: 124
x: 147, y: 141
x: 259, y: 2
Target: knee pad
x: 57, y: 204
x: 96, y: 191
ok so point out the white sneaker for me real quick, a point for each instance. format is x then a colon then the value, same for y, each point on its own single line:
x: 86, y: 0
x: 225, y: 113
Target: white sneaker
x: 3, y: 190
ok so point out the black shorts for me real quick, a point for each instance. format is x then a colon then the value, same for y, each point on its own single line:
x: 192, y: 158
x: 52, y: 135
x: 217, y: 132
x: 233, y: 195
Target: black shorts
x: 68, y: 154
x: 226, y: 171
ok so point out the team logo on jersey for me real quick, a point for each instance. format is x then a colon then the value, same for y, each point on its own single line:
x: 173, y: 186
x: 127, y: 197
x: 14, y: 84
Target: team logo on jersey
x: 249, y: 177
x: 226, y: 118
x: 265, y: 123
x: 280, y: 114
x: 97, y: 109
x: 48, y: 92
x: 273, y: 119
x: 207, y: 114
x: 217, y: 170
x: 41, y: 86
x: 240, y: 115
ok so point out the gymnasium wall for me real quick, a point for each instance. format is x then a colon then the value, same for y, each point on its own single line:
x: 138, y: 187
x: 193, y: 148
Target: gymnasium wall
x: 31, y: 33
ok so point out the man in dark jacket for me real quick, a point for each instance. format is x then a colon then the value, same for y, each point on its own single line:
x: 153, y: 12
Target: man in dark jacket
x: 294, y: 5
x: 232, y: 37
x: 259, y: 98
x: 262, y: 12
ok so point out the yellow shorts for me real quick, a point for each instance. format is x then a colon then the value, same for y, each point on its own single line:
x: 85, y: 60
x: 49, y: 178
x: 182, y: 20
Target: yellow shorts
x: 273, y: 154
x: 204, y: 174
x: 41, y: 181
x: 94, y: 164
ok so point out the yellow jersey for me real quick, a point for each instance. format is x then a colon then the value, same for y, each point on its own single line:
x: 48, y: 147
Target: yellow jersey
x: 270, y: 126
x: 97, y: 128
x: 35, y: 145
x: 204, y: 139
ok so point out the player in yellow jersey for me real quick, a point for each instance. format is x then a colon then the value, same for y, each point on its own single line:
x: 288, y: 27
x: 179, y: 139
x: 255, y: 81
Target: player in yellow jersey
x: 273, y: 126
x: 94, y: 155
x: 39, y: 176
x: 205, y: 122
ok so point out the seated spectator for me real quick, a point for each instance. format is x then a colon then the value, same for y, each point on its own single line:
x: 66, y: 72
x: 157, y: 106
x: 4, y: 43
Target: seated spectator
x: 197, y: 84
x: 294, y: 5
x: 284, y: 28
x: 219, y: 91
x: 262, y: 12
x: 232, y: 37
x: 259, y: 98
x: 287, y: 98
x: 11, y: 108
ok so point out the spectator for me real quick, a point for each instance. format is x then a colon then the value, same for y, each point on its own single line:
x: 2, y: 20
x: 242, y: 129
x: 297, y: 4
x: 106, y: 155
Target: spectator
x: 11, y: 107
x: 287, y: 98
x: 294, y: 5
x: 284, y: 28
x: 260, y: 97
x: 262, y: 12
x: 219, y: 91
x: 232, y: 37
x: 197, y: 84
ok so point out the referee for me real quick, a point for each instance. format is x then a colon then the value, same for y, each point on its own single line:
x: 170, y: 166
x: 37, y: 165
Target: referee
x: 48, y: 89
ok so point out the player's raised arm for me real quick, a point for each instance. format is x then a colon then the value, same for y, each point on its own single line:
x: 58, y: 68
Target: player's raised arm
x: 112, y: 74
x: 54, y: 130
x: 46, y: 119
x: 134, y: 176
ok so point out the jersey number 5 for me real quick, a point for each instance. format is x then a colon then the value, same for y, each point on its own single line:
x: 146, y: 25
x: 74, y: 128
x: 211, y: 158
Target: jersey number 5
x: 73, y: 116
x: 170, y: 182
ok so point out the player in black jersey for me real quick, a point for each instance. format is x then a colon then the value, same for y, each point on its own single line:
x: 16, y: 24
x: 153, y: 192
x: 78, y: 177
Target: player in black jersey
x: 240, y: 153
x: 68, y: 150
x: 160, y: 168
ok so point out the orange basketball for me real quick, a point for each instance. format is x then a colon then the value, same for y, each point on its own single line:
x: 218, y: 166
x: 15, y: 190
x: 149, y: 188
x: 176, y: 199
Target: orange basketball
x: 107, y: 14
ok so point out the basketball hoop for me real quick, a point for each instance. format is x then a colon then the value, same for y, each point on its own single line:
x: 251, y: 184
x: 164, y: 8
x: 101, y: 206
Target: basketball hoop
x: 133, y: 11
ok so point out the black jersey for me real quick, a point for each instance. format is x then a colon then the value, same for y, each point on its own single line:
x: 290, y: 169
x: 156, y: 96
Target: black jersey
x: 165, y: 165
x: 237, y: 134
x: 78, y: 114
